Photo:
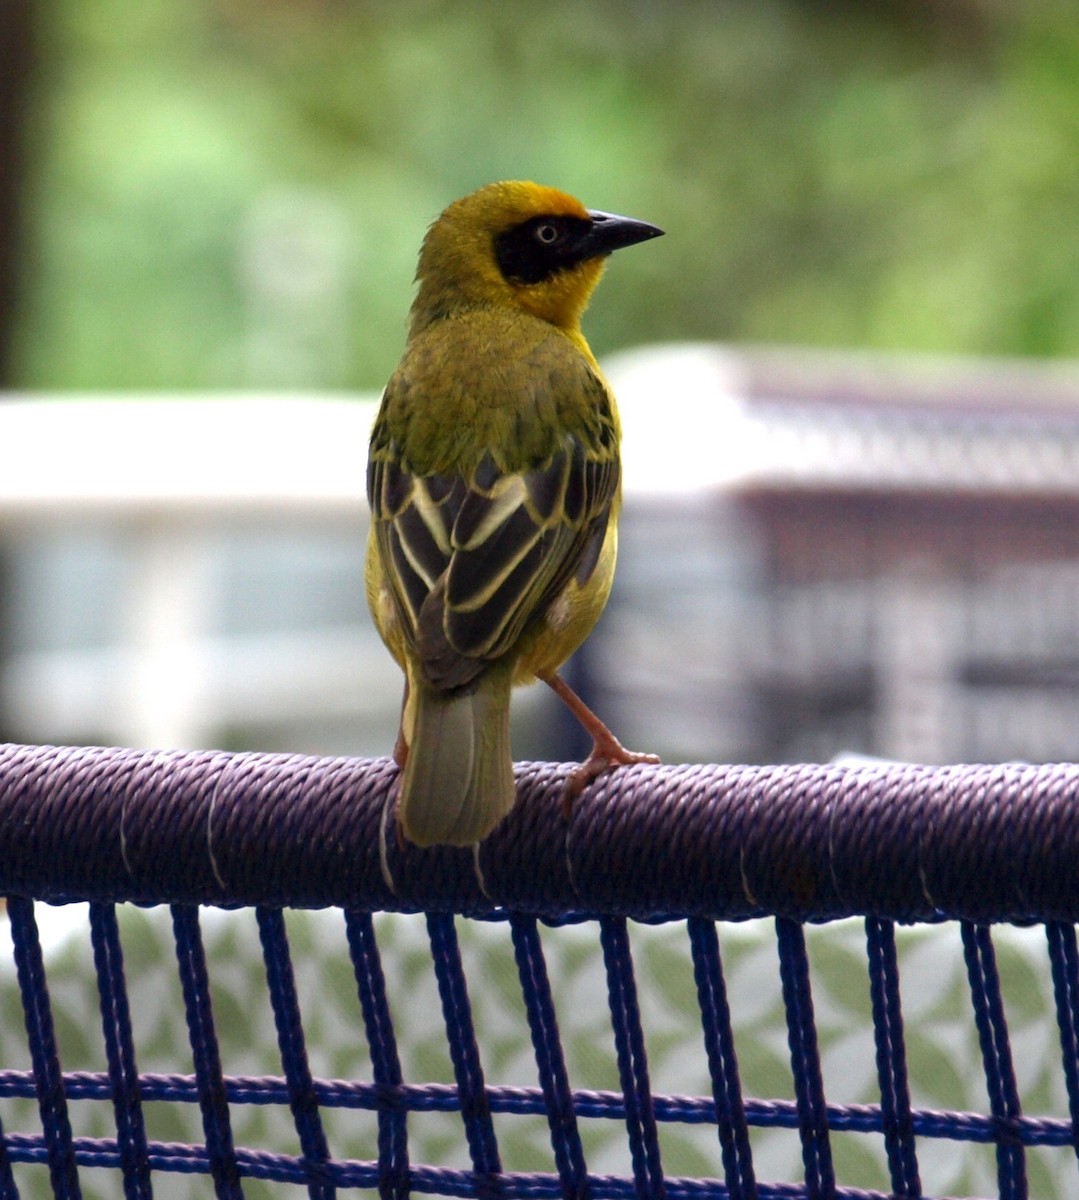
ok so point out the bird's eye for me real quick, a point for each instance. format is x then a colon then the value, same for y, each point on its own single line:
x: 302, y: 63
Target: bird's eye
x: 547, y: 233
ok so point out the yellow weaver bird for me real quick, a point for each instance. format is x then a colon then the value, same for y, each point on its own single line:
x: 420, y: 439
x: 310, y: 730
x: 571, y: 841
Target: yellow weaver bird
x: 495, y: 484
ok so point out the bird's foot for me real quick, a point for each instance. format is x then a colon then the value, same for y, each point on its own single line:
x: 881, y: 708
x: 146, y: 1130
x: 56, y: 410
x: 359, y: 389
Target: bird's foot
x: 400, y: 750
x: 607, y: 751
x: 607, y: 754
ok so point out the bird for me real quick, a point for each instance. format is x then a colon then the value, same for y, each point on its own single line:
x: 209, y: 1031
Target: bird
x: 494, y: 485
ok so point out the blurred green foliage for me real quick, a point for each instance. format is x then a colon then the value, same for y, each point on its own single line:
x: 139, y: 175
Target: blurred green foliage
x: 230, y: 193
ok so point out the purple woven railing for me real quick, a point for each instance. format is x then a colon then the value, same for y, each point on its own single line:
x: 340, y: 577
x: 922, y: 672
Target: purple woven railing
x: 693, y: 844
x: 988, y: 843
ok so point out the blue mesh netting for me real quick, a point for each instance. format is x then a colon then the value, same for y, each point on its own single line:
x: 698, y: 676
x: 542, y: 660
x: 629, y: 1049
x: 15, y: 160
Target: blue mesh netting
x: 681, y: 850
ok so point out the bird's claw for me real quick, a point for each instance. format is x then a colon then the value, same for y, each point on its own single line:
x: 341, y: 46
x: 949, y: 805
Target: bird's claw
x: 607, y: 754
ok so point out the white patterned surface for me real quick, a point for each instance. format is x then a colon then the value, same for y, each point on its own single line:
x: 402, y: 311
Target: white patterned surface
x: 944, y: 1057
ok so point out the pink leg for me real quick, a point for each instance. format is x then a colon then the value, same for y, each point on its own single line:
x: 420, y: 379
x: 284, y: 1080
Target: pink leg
x: 607, y: 751
x: 400, y: 747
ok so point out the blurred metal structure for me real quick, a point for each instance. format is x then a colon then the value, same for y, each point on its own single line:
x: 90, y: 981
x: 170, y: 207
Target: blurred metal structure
x: 165, y: 488
x: 887, y: 550
x: 821, y: 554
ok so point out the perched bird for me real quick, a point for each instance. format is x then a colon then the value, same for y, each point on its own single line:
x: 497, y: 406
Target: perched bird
x: 495, y: 484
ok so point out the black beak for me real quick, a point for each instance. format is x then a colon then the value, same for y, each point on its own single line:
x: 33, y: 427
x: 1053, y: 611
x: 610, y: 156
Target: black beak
x: 610, y: 232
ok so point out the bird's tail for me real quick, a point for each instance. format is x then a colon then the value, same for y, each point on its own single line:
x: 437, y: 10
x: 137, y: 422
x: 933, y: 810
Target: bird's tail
x: 458, y: 777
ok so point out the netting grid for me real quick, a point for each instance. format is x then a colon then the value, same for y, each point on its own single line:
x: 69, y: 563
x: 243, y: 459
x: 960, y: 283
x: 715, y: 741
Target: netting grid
x: 713, y: 982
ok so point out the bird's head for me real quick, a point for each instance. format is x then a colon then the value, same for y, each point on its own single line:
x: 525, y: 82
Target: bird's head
x: 520, y: 245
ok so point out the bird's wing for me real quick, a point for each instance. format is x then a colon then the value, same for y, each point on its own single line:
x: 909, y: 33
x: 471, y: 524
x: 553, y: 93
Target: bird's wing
x: 473, y: 561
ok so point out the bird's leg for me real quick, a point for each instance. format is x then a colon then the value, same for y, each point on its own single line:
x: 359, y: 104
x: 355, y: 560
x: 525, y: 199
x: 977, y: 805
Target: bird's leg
x: 400, y: 757
x: 400, y: 747
x: 607, y: 751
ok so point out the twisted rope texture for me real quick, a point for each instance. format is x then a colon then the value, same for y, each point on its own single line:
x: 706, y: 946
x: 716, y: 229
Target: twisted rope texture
x: 694, y: 844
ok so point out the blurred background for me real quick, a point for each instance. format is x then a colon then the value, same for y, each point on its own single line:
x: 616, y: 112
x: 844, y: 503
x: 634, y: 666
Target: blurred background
x: 849, y: 376
x: 852, y: 450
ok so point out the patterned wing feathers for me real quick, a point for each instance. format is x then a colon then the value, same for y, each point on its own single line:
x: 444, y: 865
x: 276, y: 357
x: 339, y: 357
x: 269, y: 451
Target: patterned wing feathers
x: 474, y: 562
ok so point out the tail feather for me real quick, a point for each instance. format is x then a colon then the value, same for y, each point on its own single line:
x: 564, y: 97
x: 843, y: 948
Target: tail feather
x: 458, y: 777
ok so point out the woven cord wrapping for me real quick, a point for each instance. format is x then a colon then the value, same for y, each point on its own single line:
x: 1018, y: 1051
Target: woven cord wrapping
x: 889, y: 843
x: 984, y: 843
